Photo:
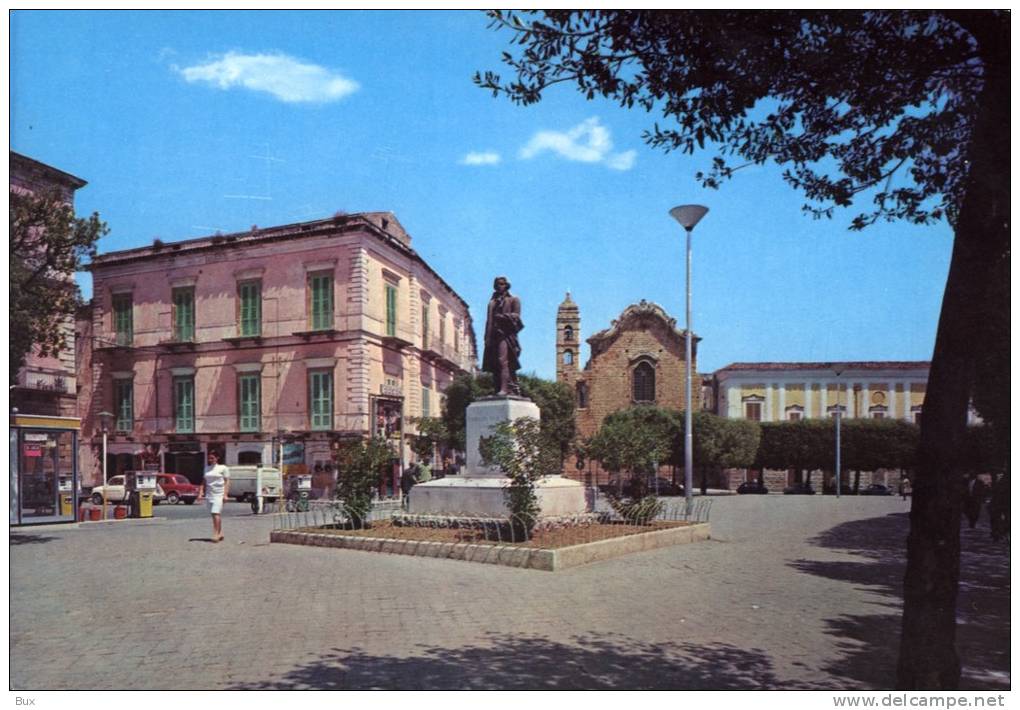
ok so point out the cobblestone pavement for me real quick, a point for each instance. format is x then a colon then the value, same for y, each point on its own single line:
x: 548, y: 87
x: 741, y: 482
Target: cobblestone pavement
x: 792, y: 592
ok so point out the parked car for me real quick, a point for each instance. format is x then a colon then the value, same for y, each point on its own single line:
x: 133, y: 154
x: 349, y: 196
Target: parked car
x: 752, y: 487
x: 876, y: 489
x: 177, y: 488
x: 242, y: 483
x: 117, y: 493
x: 666, y: 487
x: 799, y: 489
x: 845, y: 488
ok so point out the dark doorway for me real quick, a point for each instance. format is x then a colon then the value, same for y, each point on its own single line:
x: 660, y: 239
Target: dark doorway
x: 190, y: 465
x: 249, y: 458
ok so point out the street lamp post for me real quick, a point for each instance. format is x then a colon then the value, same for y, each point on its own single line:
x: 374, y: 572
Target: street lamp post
x: 688, y: 216
x: 104, y: 422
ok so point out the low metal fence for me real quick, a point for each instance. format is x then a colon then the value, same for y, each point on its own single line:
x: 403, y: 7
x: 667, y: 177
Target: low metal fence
x: 466, y: 526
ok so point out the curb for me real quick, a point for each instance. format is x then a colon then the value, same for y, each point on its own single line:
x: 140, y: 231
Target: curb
x: 26, y: 527
x: 527, y: 558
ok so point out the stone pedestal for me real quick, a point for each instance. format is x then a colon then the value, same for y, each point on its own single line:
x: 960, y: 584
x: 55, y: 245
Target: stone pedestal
x: 482, y: 416
x: 479, y: 490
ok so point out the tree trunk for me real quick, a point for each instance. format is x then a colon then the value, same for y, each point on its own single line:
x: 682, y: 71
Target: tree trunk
x: 857, y: 481
x: 928, y: 658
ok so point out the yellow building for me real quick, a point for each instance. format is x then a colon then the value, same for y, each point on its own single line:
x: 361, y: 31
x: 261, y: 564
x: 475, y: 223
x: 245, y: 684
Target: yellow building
x: 779, y: 391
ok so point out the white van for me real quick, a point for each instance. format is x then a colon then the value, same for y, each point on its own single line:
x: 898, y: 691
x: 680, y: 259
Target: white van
x: 243, y: 483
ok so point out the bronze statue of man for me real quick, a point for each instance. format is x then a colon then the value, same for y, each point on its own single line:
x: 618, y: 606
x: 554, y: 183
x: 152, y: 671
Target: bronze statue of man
x: 502, y: 349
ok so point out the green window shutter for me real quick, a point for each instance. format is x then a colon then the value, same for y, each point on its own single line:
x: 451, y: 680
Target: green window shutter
x: 251, y: 308
x: 184, y: 314
x: 391, y: 310
x: 425, y: 403
x: 321, y: 396
x: 322, y: 301
x: 124, y: 398
x: 184, y: 404
x: 425, y: 326
x: 250, y: 406
x: 123, y: 324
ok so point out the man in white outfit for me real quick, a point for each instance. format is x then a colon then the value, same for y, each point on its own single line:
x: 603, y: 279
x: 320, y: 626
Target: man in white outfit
x: 216, y: 487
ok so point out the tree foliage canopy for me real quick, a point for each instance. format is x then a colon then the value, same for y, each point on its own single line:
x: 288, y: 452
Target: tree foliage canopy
x: 866, y: 444
x: 48, y: 244
x: 359, y: 466
x: 525, y: 454
x: 554, y: 399
x: 720, y: 442
x: 636, y: 440
x: 871, y: 102
x: 432, y: 432
x: 907, y: 108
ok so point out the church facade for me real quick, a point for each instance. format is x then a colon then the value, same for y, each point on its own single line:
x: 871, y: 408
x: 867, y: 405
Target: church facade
x: 639, y: 359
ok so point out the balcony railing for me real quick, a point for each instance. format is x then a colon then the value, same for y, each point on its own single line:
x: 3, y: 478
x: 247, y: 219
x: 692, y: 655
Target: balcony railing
x: 444, y: 351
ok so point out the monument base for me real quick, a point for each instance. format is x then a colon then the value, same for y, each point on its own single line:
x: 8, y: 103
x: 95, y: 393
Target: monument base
x: 480, y: 490
x: 477, y: 495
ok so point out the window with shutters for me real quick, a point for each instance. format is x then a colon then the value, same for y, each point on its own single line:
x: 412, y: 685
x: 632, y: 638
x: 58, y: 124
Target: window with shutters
x: 124, y: 404
x: 184, y: 404
x: 425, y: 326
x: 184, y: 314
x: 249, y: 311
x: 320, y: 300
x: 123, y: 320
x: 391, y: 310
x: 249, y: 391
x: 320, y: 397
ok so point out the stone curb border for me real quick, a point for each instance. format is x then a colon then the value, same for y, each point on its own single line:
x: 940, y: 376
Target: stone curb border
x: 528, y: 558
x: 81, y: 524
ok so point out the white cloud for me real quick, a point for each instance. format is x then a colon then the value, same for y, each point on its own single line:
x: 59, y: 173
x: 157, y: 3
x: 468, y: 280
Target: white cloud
x: 286, y: 78
x: 486, y: 158
x: 622, y: 161
x: 588, y: 142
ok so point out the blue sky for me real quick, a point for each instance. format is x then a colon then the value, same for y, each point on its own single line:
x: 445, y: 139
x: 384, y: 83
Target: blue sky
x: 185, y: 123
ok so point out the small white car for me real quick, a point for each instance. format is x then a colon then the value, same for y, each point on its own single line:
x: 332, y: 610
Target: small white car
x: 115, y: 492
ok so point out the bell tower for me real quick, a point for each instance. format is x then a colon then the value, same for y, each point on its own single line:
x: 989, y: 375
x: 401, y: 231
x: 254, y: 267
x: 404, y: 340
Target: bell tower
x: 568, y: 340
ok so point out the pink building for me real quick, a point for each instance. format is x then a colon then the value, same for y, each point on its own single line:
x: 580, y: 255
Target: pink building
x: 278, y: 340
x: 45, y: 385
x: 44, y: 424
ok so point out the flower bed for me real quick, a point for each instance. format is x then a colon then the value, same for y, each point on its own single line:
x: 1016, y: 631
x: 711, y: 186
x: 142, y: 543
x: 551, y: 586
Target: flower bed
x: 548, y: 538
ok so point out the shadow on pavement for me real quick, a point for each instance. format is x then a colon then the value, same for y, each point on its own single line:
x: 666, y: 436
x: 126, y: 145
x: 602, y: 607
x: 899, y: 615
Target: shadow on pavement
x: 590, y: 663
x: 201, y: 539
x: 870, y: 643
x: 26, y: 539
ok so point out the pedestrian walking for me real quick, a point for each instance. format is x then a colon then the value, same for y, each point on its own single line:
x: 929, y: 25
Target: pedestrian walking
x: 424, y: 471
x: 406, y: 483
x: 215, y: 487
x: 974, y: 499
x: 904, y: 487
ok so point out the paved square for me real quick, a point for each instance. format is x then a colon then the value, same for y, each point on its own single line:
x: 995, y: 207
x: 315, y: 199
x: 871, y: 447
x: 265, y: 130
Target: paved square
x: 792, y: 592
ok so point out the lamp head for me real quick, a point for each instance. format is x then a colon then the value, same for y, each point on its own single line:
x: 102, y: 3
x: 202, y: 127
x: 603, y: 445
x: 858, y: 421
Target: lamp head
x: 688, y: 215
x: 104, y: 420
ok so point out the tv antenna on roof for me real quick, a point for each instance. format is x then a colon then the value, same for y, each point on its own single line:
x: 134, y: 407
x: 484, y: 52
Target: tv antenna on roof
x: 268, y: 196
